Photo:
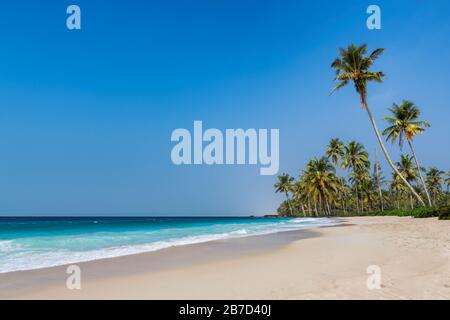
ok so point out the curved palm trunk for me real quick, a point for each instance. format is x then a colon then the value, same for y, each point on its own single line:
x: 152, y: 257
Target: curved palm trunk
x: 388, y: 158
x: 420, y: 173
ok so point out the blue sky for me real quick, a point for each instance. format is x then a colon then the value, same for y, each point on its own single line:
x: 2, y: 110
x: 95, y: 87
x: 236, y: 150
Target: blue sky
x: 86, y: 116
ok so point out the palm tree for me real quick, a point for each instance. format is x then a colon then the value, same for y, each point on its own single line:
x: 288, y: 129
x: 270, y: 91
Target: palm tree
x: 405, y: 125
x: 357, y: 159
x: 354, y: 65
x: 344, y: 192
x: 320, y: 183
x: 408, y: 171
x: 299, y: 195
x: 434, y: 182
x: 368, y: 193
x: 447, y: 182
x: 398, y: 187
x: 284, y: 185
x: 335, y: 150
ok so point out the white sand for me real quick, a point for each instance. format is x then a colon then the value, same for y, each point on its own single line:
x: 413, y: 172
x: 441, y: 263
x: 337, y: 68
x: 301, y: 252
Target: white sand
x: 413, y: 254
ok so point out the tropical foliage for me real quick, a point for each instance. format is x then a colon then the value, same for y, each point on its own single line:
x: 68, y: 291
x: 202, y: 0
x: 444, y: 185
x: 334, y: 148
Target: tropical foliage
x: 344, y: 181
x: 354, y: 66
x: 362, y: 189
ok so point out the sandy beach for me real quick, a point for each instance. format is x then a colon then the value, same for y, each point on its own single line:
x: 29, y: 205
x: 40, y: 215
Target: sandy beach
x: 324, y: 263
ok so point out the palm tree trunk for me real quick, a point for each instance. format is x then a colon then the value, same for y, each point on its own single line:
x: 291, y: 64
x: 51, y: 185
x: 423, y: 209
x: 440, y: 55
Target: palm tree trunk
x: 357, y: 198
x: 303, y: 209
x: 342, y: 202
x: 420, y: 173
x: 380, y: 193
x: 411, y: 201
x: 320, y: 203
x: 328, y: 206
x: 388, y: 158
x: 289, y: 203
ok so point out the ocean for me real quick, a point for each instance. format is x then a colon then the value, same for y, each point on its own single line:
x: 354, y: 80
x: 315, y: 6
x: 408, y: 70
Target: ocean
x: 33, y: 243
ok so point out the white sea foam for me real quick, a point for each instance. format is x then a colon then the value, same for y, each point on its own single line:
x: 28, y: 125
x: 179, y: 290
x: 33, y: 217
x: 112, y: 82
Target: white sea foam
x: 15, y: 258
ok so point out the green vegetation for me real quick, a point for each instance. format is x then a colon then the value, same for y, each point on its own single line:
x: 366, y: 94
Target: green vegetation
x: 443, y: 213
x: 360, y: 189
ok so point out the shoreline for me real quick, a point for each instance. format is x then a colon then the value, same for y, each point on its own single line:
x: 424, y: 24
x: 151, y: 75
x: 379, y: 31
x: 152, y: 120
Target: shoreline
x: 187, y: 240
x: 324, y: 263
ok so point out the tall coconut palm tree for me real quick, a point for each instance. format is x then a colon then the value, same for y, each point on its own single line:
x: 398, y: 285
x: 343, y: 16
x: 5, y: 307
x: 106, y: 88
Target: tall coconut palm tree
x: 405, y: 125
x: 321, y: 182
x: 284, y: 185
x: 354, y: 65
x: 335, y: 150
x: 357, y: 159
x: 434, y: 180
x: 408, y: 171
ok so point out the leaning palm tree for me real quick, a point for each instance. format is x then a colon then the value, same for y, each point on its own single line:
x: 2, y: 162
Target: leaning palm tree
x: 354, y: 65
x: 335, y: 150
x: 434, y: 180
x: 408, y: 171
x: 284, y: 185
x: 405, y: 125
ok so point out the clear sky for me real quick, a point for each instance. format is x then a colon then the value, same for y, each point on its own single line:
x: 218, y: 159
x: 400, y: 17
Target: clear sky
x: 86, y: 116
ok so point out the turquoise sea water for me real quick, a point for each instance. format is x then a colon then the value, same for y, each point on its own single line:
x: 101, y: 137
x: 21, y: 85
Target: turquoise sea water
x: 31, y: 243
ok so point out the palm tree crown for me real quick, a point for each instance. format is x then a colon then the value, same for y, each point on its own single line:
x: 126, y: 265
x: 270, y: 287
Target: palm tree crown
x: 355, y: 157
x: 354, y: 66
x: 335, y: 150
x: 284, y: 185
x: 404, y: 123
x: 406, y: 168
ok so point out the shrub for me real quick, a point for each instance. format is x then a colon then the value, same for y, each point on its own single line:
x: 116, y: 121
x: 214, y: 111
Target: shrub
x: 416, y: 213
x: 444, y: 213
